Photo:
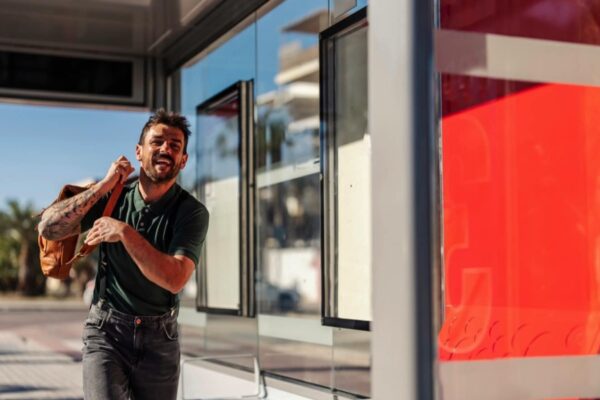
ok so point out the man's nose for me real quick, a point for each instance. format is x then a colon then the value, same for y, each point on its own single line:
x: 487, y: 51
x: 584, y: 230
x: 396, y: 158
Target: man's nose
x: 165, y: 148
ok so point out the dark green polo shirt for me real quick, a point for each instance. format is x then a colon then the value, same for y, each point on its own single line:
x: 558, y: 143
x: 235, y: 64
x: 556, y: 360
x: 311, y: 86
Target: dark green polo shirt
x: 176, y: 224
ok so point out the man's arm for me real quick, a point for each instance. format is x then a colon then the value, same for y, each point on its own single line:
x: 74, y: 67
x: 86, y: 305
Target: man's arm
x: 167, y: 271
x: 63, y: 219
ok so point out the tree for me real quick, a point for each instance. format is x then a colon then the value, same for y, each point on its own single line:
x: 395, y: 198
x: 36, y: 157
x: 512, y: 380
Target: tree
x: 9, y: 251
x: 19, y: 223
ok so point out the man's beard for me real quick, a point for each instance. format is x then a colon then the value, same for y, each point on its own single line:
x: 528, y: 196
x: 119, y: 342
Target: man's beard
x: 155, y: 176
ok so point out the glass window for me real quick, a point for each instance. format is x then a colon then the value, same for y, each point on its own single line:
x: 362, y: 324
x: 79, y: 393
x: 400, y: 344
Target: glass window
x: 519, y: 132
x: 347, y: 174
x: 223, y: 132
x: 279, y: 52
x: 220, y: 330
x: 194, y: 84
x: 287, y: 158
x: 292, y: 341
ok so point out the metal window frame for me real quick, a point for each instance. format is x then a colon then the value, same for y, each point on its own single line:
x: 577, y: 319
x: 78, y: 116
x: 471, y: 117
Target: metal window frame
x: 329, y: 227
x: 243, y: 90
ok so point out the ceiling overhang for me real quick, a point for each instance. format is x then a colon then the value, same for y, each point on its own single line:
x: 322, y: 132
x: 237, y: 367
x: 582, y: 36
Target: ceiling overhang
x: 143, y: 32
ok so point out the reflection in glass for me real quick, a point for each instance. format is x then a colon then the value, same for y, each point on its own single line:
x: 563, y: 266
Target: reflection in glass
x: 235, y: 60
x: 288, y: 194
x: 218, y: 174
x: 352, y: 361
x: 290, y: 218
x: 287, y: 159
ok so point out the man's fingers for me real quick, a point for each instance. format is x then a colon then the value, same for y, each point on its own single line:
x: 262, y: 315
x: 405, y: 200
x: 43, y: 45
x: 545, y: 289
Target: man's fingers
x: 90, y: 239
x: 95, y: 241
x: 94, y: 237
x: 93, y: 233
x: 119, y: 169
x: 123, y: 169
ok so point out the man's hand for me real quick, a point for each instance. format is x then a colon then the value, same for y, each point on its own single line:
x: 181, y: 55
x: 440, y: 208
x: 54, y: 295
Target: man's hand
x: 106, y: 229
x: 118, y: 172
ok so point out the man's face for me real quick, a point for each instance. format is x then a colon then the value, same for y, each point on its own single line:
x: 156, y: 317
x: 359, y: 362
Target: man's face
x: 161, y: 154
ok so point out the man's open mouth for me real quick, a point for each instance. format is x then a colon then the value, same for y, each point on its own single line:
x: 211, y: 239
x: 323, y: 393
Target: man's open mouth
x: 164, y: 162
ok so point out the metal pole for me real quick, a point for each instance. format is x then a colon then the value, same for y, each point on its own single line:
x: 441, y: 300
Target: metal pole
x: 400, y: 123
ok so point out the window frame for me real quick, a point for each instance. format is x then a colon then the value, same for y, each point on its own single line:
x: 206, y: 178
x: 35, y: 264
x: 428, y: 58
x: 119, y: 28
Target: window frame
x: 329, y: 228
x: 244, y: 91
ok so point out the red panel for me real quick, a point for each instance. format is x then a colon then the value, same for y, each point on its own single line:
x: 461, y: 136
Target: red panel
x: 521, y: 186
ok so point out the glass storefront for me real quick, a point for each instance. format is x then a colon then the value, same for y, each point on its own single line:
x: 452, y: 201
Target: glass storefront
x: 272, y: 180
x: 213, y: 174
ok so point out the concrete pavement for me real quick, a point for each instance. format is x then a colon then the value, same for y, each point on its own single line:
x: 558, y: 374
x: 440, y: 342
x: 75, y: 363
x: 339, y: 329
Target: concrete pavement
x: 30, y: 370
x: 40, y: 349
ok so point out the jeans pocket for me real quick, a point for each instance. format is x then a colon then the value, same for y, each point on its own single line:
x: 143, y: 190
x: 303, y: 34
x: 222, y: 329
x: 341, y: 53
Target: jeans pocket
x: 92, y: 328
x: 171, y: 330
x: 95, y: 319
x: 93, y: 322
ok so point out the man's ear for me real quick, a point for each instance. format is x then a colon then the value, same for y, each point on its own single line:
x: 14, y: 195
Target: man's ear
x: 184, y: 159
x: 138, y: 152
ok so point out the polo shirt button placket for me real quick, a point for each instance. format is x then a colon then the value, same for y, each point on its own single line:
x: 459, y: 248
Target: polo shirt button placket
x: 142, y: 223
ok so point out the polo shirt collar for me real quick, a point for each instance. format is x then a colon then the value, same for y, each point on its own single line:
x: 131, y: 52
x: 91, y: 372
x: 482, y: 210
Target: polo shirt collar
x: 156, y: 206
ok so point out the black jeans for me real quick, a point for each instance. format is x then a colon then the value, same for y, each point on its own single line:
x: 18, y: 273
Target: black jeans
x: 126, y: 356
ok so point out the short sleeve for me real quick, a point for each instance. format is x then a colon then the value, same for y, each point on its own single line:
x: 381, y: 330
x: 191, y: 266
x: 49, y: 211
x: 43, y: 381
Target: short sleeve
x: 189, y: 231
x: 94, y: 213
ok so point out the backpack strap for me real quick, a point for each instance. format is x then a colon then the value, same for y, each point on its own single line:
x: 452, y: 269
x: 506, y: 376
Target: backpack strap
x: 102, y: 263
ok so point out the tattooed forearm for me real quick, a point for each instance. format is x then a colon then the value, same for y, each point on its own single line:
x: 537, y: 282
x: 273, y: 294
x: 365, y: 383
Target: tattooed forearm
x: 63, y: 218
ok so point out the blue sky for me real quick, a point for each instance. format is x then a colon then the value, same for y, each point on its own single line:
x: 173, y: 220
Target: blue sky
x: 46, y: 147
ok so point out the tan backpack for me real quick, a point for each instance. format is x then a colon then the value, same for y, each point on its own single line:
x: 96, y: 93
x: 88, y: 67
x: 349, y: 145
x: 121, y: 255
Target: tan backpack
x: 57, y: 256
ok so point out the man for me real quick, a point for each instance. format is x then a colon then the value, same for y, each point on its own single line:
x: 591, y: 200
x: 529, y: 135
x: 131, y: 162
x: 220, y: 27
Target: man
x: 149, y: 247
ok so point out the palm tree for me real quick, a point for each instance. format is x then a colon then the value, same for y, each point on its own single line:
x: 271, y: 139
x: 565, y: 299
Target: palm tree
x: 21, y: 222
x: 9, y: 250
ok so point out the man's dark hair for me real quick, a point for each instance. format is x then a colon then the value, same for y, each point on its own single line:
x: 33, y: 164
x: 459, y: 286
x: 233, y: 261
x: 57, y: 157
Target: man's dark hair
x: 171, y: 119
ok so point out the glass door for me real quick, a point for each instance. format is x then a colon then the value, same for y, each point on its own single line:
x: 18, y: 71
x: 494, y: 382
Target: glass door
x: 224, y: 126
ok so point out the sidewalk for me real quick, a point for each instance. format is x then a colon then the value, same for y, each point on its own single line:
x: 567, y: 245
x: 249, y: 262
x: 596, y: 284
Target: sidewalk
x: 40, y: 348
x: 29, y: 370
x: 17, y: 304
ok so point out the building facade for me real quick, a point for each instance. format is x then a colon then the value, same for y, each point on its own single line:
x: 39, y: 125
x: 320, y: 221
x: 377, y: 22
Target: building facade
x: 402, y: 193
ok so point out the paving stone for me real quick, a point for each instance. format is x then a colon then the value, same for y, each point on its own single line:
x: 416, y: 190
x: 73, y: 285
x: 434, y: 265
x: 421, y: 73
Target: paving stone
x: 29, y: 370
